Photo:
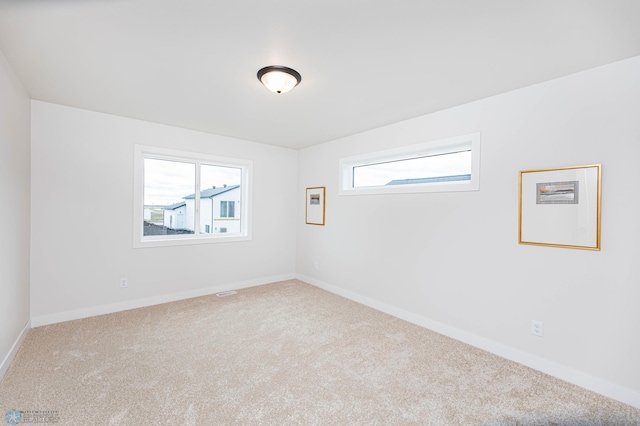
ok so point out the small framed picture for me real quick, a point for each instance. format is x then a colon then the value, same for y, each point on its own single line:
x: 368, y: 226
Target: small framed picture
x: 558, y: 192
x: 560, y: 207
x: 315, y: 205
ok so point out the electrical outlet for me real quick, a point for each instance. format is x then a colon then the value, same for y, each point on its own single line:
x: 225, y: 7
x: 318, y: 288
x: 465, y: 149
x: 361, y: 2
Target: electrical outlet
x: 124, y: 282
x: 315, y: 265
x: 536, y: 328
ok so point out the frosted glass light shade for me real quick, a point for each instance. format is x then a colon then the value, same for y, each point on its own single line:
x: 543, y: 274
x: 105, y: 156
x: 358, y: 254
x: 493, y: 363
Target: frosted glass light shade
x: 279, y: 79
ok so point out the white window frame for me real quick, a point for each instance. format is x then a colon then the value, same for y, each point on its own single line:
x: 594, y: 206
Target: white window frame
x: 442, y: 146
x: 142, y: 152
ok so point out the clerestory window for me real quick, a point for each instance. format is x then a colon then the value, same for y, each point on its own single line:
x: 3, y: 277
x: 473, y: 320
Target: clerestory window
x: 445, y: 165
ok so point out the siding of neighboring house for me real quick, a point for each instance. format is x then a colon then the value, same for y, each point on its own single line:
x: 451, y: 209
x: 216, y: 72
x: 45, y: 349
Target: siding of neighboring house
x: 175, y: 216
x: 206, y: 218
x: 230, y: 223
x: 210, y: 218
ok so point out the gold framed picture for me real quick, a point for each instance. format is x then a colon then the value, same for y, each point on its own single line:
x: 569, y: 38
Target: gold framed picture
x: 315, y: 205
x: 560, y: 207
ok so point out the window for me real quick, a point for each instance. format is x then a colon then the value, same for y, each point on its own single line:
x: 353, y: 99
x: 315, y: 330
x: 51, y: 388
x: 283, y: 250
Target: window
x: 179, y: 198
x: 227, y: 209
x: 446, y: 165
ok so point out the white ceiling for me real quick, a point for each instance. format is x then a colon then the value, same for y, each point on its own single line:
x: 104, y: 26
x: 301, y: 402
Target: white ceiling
x: 364, y: 63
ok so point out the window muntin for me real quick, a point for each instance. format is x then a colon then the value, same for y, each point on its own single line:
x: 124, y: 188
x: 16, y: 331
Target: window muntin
x: 175, y: 190
x: 451, y: 164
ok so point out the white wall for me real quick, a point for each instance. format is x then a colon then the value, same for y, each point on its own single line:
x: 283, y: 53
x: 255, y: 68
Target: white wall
x: 82, y: 166
x: 14, y: 214
x: 452, y: 260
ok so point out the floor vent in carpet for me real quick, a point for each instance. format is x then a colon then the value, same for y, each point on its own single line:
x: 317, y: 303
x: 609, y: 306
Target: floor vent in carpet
x: 226, y: 293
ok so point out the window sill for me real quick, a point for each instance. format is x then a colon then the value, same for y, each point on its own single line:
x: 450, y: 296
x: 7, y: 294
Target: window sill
x: 168, y: 242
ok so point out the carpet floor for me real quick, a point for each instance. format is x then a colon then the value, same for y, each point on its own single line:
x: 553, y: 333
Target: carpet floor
x: 280, y: 354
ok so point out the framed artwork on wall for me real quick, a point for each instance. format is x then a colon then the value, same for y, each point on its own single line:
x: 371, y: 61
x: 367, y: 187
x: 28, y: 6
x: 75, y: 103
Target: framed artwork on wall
x: 315, y: 203
x: 560, y: 207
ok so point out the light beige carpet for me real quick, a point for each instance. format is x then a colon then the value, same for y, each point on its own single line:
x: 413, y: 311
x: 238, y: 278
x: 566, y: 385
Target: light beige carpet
x: 284, y: 353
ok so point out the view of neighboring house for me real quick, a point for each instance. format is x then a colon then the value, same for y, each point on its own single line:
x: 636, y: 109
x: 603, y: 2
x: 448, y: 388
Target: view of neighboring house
x: 219, y: 211
x: 175, y: 216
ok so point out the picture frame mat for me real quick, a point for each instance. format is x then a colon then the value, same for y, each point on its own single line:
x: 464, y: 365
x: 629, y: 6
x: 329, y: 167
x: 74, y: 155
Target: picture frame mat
x: 575, y: 225
x: 315, y: 205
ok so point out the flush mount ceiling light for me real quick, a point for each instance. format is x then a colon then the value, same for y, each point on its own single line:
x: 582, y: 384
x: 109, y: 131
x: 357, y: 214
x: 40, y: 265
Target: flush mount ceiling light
x: 279, y: 79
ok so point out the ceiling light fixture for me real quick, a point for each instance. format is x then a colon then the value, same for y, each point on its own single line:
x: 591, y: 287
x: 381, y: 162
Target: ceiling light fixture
x: 279, y: 79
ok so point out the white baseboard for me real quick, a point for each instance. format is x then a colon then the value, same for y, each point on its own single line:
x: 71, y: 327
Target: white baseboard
x: 150, y: 301
x: 8, y: 359
x: 562, y: 372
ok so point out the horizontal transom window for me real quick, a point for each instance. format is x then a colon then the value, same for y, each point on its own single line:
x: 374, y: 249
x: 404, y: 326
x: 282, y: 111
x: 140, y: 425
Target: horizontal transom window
x: 445, y: 165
